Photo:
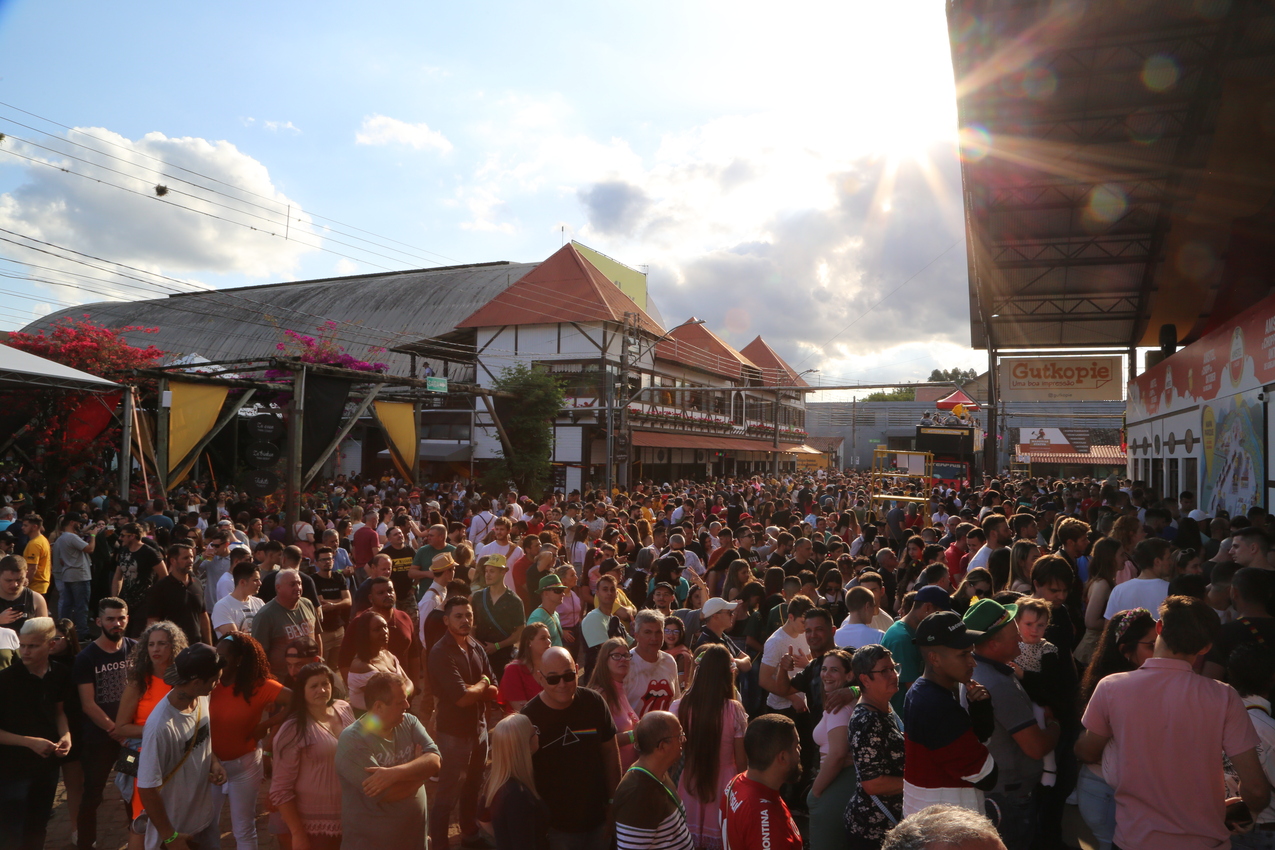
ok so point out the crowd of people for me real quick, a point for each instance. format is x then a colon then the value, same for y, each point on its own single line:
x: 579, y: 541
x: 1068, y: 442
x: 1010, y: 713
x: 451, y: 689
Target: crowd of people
x: 729, y: 665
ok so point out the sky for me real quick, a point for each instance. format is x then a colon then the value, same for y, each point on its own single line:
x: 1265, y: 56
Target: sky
x: 785, y: 170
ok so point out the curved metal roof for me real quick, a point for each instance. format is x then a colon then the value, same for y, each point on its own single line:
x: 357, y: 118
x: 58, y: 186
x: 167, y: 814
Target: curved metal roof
x: 1118, y: 158
x: 380, y: 310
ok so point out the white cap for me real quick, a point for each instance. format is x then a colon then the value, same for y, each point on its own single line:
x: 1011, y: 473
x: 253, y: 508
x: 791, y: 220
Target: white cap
x: 715, y: 605
x: 1198, y: 515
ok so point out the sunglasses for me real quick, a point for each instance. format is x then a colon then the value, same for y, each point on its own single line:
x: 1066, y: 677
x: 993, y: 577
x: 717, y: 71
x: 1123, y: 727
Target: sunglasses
x: 555, y: 678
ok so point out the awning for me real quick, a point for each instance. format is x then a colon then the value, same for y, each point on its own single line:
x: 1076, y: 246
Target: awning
x: 713, y: 442
x: 21, y: 369
x: 954, y: 399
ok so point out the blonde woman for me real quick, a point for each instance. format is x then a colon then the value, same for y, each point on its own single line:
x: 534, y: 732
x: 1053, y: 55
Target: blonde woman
x: 519, y: 818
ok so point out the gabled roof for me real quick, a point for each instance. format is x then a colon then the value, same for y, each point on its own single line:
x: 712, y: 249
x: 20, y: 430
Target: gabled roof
x: 772, y: 365
x: 696, y: 346
x: 564, y: 288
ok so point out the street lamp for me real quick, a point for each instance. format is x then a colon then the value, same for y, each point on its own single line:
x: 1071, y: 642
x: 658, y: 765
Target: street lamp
x: 628, y: 354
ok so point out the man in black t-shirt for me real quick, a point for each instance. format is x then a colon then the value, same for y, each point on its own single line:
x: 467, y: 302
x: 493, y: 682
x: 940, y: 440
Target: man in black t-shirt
x: 136, y: 563
x: 401, y: 556
x: 180, y: 598
x: 802, y: 557
x: 33, y: 693
x: 1250, y: 596
x: 577, y: 739
x: 334, y: 600
x: 100, y: 674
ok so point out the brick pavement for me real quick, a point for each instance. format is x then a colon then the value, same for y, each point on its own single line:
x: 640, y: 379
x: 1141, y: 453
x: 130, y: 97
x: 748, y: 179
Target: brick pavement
x: 112, y: 824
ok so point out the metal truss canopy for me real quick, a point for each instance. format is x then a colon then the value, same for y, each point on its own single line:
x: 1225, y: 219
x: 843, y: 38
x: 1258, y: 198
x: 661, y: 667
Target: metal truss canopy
x: 1102, y: 143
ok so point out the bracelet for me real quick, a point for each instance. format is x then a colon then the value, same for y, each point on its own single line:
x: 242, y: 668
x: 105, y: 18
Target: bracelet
x: 170, y: 839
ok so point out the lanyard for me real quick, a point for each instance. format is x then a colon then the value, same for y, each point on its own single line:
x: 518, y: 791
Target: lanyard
x: 681, y: 809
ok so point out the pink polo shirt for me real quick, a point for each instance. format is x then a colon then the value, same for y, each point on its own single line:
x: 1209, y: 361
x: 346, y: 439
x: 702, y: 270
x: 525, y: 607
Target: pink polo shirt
x: 1170, y: 726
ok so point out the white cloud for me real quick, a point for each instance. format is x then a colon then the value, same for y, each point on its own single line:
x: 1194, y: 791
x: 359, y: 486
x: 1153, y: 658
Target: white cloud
x: 346, y: 267
x: 283, y: 125
x: 108, y: 206
x: 383, y: 130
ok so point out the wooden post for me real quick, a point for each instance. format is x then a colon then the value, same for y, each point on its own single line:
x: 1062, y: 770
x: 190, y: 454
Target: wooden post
x: 126, y: 446
x: 500, y: 429
x: 296, y: 419
x: 161, y: 438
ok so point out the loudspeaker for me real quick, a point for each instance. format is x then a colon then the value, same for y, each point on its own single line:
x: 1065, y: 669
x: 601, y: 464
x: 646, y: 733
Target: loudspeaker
x: 1168, y: 340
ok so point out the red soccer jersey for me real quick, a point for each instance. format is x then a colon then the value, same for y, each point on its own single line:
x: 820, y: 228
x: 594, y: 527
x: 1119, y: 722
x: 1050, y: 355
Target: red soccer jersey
x: 754, y: 816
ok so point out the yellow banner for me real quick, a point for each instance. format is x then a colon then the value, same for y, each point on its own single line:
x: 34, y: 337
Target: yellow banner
x: 193, y: 413
x: 398, y: 421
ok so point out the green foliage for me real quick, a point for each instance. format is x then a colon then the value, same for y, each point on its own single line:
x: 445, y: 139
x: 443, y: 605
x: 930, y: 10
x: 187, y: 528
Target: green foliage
x: 958, y: 376
x: 901, y: 394
x: 528, y: 421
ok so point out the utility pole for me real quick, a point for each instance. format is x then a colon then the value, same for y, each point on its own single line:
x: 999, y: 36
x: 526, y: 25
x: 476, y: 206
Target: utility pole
x: 774, y: 463
x: 630, y: 343
x: 854, y: 432
x: 609, y: 377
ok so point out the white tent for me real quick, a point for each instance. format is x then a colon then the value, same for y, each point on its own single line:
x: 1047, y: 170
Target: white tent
x: 19, y: 369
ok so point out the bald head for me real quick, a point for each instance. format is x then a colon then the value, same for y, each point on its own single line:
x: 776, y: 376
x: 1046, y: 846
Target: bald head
x: 653, y: 727
x: 557, y: 660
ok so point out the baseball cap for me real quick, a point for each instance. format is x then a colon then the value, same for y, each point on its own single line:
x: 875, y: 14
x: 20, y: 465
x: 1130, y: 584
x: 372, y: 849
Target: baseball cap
x: 715, y: 605
x: 934, y: 595
x: 987, y: 617
x: 944, y: 628
x: 1198, y: 515
x: 200, y: 661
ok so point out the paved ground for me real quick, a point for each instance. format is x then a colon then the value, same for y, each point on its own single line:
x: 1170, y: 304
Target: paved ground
x: 112, y: 826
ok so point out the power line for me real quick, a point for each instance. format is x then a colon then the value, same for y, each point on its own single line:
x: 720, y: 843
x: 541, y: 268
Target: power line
x: 198, y: 174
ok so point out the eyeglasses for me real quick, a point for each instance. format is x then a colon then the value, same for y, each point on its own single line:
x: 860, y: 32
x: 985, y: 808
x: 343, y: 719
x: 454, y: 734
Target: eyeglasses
x: 555, y: 678
x: 618, y: 656
x: 681, y: 737
x: 893, y: 668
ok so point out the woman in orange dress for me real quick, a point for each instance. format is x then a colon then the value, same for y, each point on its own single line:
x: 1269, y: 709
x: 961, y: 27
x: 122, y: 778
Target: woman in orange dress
x: 156, y: 649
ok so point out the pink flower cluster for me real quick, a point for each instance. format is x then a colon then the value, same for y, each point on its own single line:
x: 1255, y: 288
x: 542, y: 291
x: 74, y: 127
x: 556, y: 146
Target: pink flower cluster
x: 325, y: 350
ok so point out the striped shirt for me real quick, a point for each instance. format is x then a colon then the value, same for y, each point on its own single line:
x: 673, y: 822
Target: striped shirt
x: 648, y: 814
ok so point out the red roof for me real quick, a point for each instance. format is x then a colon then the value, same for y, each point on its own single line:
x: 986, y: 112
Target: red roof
x: 564, y: 288
x: 671, y: 440
x: 772, y: 366
x: 1097, y: 456
x: 698, y: 347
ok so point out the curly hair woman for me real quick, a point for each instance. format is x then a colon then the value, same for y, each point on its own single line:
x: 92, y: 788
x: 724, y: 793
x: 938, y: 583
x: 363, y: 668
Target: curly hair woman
x: 247, y: 689
x: 155, y: 650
